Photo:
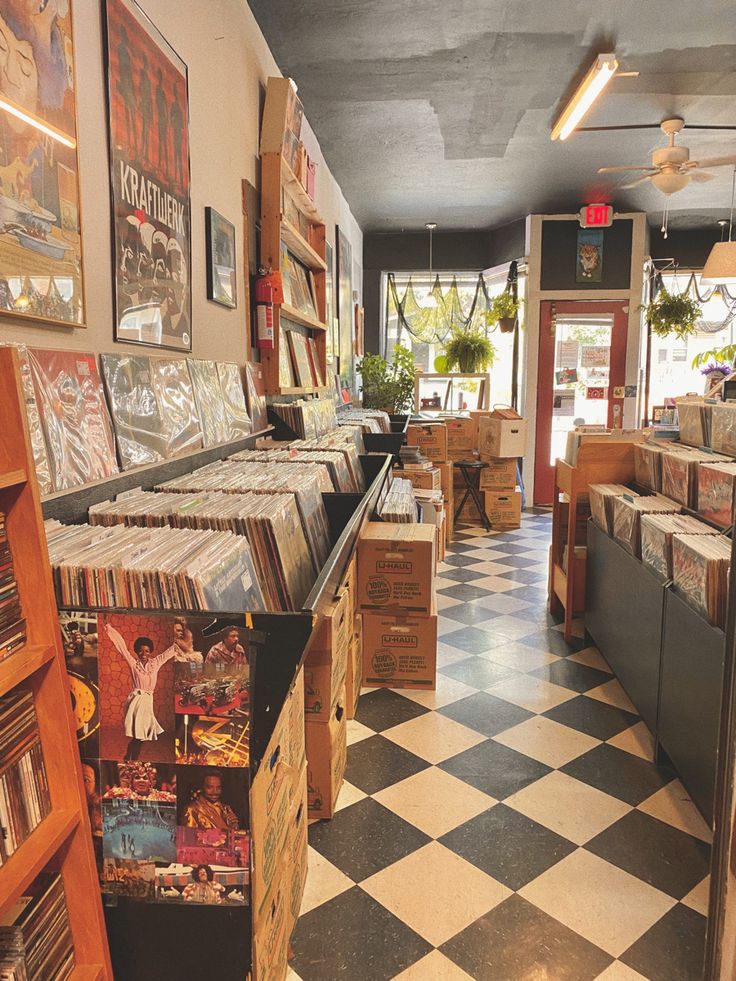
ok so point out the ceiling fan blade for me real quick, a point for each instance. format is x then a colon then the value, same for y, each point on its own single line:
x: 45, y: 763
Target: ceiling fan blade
x: 713, y: 162
x: 700, y: 176
x: 623, y: 170
x: 637, y: 182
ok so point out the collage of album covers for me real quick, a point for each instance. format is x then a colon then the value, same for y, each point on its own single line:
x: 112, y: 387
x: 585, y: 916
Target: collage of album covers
x: 162, y: 708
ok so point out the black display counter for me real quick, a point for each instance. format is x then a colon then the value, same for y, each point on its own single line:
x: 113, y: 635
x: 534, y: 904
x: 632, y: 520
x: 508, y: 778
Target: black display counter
x: 668, y: 659
x: 693, y: 656
x: 624, y: 616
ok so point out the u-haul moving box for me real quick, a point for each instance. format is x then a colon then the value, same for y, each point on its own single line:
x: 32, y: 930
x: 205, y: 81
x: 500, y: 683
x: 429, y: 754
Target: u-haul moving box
x: 399, y: 652
x: 396, y: 565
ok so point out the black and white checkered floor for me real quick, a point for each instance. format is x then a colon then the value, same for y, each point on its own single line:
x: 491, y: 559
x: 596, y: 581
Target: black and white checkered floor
x: 511, y: 825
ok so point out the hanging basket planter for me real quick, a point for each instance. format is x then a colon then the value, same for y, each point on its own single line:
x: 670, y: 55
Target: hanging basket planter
x: 504, y: 312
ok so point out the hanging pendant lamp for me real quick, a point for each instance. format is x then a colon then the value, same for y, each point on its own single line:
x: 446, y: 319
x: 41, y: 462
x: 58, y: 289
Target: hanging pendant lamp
x: 720, y: 269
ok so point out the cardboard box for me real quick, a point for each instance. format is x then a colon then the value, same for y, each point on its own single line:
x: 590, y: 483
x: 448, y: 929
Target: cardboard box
x: 326, y: 662
x: 446, y: 480
x: 327, y: 752
x: 430, y: 437
x: 354, y: 677
x: 456, y: 455
x: 447, y: 476
x: 270, y: 804
x: 475, y: 415
x: 399, y: 652
x: 293, y: 726
x: 502, y: 433
x: 424, y: 479
x: 396, y: 564
x: 504, y: 508
x: 499, y: 475
x: 460, y: 435
x: 350, y: 586
x: 449, y: 524
x: 295, y: 856
x: 271, y: 936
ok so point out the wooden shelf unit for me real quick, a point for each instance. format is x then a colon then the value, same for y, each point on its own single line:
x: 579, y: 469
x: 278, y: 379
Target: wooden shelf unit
x: 597, y: 463
x: 282, y: 192
x: 63, y: 839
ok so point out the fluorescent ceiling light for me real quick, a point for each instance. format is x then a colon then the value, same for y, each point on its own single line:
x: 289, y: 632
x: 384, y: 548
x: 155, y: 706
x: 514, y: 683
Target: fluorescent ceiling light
x: 600, y: 74
x: 56, y: 134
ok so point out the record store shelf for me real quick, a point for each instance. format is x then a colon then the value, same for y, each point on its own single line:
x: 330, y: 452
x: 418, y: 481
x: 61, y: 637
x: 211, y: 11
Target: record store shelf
x: 669, y: 660
x: 71, y: 506
x: 159, y: 941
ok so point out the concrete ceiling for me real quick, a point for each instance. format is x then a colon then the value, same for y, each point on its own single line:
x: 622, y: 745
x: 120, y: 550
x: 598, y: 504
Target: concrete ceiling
x: 440, y: 110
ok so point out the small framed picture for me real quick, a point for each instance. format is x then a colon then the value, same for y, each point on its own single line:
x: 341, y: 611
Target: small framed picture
x: 221, y: 274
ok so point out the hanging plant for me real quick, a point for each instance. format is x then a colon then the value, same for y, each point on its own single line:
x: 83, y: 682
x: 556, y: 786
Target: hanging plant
x: 504, y: 311
x: 673, y: 313
x: 470, y: 351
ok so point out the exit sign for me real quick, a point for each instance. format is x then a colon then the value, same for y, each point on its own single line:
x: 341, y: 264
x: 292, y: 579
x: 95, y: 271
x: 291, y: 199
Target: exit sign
x: 596, y: 216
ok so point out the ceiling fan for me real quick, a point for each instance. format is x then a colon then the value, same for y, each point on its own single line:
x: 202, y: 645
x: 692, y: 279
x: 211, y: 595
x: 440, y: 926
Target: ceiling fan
x: 672, y: 169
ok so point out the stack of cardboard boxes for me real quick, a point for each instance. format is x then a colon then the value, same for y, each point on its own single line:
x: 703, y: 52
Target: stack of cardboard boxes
x: 278, y: 802
x: 332, y: 682
x: 501, y: 441
x: 325, y: 705
x: 433, y: 440
x: 396, y: 599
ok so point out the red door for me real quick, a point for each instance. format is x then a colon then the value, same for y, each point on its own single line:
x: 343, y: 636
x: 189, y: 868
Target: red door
x: 582, y: 359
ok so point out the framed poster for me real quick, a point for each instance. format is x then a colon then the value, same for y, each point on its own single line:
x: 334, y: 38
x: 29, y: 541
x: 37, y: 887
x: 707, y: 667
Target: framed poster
x: 345, y: 305
x: 332, y: 340
x: 220, y: 246
x: 148, y: 110
x: 40, y: 225
x: 589, y: 263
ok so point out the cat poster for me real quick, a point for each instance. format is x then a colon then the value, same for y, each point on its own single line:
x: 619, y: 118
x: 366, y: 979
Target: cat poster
x: 589, y: 267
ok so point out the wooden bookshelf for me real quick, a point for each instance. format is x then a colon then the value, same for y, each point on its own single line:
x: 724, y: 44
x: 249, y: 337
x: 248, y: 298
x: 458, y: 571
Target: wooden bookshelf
x: 63, y: 839
x: 282, y: 194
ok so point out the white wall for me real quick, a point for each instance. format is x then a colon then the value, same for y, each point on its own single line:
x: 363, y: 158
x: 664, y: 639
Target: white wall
x: 228, y: 61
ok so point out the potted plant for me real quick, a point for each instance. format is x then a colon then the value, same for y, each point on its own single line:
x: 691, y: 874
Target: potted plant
x: 504, y: 311
x: 673, y: 313
x: 724, y: 356
x: 388, y: 385
x: 469, y: 350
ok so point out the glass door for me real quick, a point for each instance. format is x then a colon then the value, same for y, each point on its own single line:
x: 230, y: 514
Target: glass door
x: 582, y: 367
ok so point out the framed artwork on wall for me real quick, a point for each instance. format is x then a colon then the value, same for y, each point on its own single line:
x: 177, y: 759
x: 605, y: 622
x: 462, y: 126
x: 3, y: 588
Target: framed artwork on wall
x: 148, y: 116
x: 221, y: 276
x: 41, y: 277
x: 589, y: 267
x: 345, y: 305
x: 332, y: 340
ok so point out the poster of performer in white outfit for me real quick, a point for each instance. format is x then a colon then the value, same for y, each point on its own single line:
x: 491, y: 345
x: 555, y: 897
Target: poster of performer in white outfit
x: 141, y: 724
x: 136, y: 667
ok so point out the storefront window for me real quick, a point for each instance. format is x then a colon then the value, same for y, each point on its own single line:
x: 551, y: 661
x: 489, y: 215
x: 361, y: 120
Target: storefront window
x: 672, y: 371
x: 426, y: 342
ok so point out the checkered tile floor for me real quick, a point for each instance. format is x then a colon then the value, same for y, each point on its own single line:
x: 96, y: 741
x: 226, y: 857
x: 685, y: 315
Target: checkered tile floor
x: 510, y: 825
